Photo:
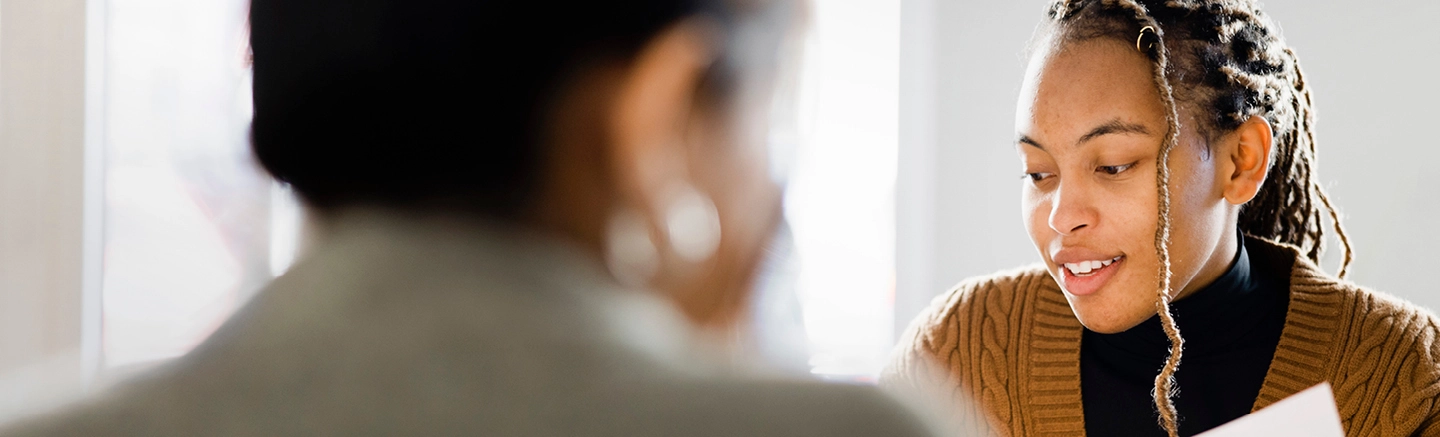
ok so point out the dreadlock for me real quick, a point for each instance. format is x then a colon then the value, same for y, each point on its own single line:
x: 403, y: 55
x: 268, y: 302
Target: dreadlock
x: 1226, y: 60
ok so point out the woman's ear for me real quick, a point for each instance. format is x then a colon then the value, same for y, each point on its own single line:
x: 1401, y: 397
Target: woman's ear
x: 665, y: 229
x: 653, y: 107
x: 1249, y: 159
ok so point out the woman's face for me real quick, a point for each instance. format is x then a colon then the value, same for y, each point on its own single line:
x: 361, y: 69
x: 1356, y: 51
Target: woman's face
x: 1090, y: 125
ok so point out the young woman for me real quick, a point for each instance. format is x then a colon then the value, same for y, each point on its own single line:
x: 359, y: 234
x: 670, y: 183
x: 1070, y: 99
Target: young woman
x: 1168, y: 151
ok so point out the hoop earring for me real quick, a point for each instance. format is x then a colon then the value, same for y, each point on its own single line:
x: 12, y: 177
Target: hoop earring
x: 693, y: 225
x: 1141, y: 39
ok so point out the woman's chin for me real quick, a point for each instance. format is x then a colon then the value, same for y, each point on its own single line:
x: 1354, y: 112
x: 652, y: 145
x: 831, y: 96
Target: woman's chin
x: 1108, y: 321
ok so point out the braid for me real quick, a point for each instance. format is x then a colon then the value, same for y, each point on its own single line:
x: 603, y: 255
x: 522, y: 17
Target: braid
x: 1232, y: 65
x: 1165, y: 387
x: 1305, y: 122
x: 1265, y: 79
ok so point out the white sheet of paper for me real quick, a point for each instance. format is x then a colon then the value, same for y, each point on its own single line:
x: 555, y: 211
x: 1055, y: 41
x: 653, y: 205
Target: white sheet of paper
x: 1310, y: 413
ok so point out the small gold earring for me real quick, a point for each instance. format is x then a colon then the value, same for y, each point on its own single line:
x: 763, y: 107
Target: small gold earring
x: 1141, y: 38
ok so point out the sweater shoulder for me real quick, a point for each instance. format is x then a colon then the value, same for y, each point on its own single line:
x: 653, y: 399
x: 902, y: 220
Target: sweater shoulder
x: 986, y: 290
x: 1391, y: 361
x: 1383, y: 357
x: 953, y: 354
x: 1372, y: 318
x: 1394, y: 326
x: 1393, y: 311
x: 974, y: 300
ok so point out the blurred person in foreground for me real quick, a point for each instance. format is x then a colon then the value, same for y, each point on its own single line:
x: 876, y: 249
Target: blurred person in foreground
x: 529, y: 217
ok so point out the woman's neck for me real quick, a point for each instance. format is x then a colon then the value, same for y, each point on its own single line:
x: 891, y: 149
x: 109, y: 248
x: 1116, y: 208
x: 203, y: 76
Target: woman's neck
x: 1221, y: 259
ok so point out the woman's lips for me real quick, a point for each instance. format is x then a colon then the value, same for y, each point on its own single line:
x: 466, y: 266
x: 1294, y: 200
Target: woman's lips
x: 1083, y: 278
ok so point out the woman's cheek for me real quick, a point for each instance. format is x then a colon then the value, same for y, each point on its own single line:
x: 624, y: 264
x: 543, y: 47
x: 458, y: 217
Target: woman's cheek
x: 1036, y: 213
x: 1135, y: 208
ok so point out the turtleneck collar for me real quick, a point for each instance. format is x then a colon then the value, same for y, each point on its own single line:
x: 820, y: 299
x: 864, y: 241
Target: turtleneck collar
x: 1231, y: 328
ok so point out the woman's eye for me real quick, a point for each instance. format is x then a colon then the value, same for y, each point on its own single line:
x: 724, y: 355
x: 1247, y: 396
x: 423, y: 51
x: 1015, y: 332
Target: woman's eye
x: 1113, y: 170
x: 1037, y: 177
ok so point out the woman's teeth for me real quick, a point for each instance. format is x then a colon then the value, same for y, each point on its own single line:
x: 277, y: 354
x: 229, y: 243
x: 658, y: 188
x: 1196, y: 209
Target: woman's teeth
x: 1085, y: 267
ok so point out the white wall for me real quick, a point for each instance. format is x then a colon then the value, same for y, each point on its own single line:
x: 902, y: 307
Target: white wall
x: 1372, y: 66
x: 1374, y: 72
x: 959, y: 181
x: 48, y: 323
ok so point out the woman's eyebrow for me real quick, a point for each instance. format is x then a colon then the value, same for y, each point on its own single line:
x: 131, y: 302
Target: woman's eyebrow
x: 1027, y: 140
x: 1115, y: 126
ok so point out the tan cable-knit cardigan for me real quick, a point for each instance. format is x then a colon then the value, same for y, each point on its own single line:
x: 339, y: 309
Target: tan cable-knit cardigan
x: 1011, y: 343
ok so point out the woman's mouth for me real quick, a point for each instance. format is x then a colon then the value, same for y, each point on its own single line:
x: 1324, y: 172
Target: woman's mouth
x: 1086, y: 277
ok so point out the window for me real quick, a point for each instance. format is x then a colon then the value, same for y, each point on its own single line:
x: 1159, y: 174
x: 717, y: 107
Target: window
x: 840, y: 200
x: 190, y: 221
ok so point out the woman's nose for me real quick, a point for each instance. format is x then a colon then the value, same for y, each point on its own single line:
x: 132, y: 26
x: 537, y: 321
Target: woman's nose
x: 1070, y: 209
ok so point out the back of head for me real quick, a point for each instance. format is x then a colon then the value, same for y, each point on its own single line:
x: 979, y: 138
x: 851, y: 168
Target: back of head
x: 427, y: 103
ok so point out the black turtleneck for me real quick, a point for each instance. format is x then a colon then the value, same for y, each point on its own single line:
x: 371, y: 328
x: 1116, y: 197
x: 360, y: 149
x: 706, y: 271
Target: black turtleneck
x: 1231, y: 328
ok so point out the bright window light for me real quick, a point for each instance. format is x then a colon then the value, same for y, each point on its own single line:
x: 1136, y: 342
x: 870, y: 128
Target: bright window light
x: 840, y: 200
x: 188, y: 215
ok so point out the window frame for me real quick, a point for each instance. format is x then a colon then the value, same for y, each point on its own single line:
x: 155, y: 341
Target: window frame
x: 51, y: 189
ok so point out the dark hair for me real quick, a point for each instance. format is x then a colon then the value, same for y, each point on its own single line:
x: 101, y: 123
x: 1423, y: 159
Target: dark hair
x: 1226, y: 60
x: 429, y: 103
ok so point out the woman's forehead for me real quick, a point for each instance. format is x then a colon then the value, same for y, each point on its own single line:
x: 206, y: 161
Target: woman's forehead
x: 1077, y: 87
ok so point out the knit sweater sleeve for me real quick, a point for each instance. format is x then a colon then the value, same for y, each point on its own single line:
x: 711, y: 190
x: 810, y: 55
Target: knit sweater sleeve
x: 1431, y: 428
x: 957, y: 351
x: 913, y: 364
x: 1431, y: 383
x: 1388, y: 377
x: 918, y: 368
